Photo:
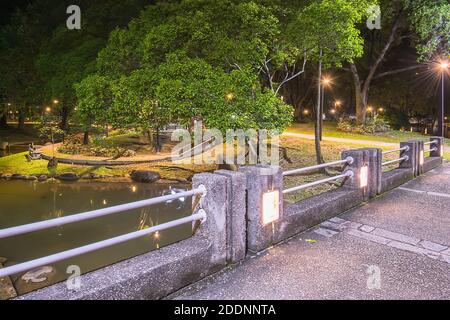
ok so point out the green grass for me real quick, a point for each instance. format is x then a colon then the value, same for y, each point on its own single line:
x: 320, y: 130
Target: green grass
x: 330, y: 130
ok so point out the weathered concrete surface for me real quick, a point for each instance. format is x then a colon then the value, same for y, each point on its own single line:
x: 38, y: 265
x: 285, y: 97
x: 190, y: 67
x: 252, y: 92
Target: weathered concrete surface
x: 395, y: 178
x: 261, y: 179
x: 236, y: 215
x: 305, y: 214
x: 403, y: 234
x: 431, y: 163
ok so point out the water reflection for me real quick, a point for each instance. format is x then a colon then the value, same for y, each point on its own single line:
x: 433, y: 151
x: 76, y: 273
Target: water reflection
x: 25, y: 202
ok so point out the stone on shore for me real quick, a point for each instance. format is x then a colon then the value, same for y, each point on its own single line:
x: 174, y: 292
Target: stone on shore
x: 145, y: 176
x: 7, y: 290
x: 68, y: 176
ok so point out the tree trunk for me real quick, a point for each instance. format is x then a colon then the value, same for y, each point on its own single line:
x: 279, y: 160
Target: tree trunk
x: 4, y: 120
x: 157, y: 142
x: 21, y: 124
x: 317, y: 127
x: 86, y: 137
x: 64, y: 118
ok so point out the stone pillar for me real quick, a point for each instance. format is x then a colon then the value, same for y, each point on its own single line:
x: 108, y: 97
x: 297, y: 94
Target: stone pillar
x: 236, y: 215
x: 261, y: 179
x: 215, y: 204
x: 413, y: 158
x: 370, y: 158
x: 439, y: 146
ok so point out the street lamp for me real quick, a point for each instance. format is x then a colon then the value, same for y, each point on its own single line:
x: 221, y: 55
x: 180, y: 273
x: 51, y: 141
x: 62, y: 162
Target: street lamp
x: 443, y: 68
x: 48, y: 109
x: 326, y: 81
x: 55, y: 101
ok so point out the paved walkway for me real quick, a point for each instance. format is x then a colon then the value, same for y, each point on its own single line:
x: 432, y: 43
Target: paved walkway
x: 394, y: 247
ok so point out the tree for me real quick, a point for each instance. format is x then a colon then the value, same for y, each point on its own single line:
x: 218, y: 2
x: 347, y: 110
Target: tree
x: 94, y: 100
x: 425, y: 22
x: 327, y: 30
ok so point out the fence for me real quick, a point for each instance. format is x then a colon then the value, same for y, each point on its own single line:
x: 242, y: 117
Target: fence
x: 400, y: 159
x: 18, y: 230
x: 347, y: 174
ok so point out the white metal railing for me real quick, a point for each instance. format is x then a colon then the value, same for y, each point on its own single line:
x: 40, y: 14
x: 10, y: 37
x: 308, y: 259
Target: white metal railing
x: 348, y: 160
x: 404, y: 158
x: 405, y: 148
x: 431, y: 142
x: 431, y: 149
x: 21, y: 267
x: 347, y: 174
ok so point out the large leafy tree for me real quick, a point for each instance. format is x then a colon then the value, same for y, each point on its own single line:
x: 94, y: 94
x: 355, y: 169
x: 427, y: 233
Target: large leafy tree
x: 426, y: 23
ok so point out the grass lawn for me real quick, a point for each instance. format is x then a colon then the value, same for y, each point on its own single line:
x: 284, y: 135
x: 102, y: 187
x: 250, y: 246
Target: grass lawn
x: 330, y: 130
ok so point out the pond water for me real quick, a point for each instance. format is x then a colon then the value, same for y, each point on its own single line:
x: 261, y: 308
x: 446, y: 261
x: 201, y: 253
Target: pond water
x: 13, y: 150
x: 25, y: 202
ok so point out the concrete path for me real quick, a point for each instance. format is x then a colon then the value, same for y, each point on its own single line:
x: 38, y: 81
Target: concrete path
x: 395, y: 247
x: 342, y: 140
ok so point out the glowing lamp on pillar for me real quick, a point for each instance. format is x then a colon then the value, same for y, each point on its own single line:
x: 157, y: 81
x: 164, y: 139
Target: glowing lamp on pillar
x: 270, y: 207
x: 364, y: 177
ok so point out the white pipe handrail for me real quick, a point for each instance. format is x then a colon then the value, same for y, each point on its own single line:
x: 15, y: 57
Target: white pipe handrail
x: 46, y: 224
x: 431, y: 142
x: 348, y: 160
x: 405, y: 148
x: 405, y: 158
x: 29, y: 265
x: 431, y: 150
x: 347, y: 174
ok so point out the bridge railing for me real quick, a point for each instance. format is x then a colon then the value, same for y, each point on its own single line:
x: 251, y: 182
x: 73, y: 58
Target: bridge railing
x: 199, y: 215
x: 345, y: 175
x: 403, y: 156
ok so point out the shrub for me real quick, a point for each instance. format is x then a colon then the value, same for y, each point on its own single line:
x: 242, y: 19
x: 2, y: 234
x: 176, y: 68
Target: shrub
x: 74, y: 145
x: 373, y: 125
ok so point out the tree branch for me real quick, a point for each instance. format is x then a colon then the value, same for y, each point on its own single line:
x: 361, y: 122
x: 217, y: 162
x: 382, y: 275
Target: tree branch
x: 392, y: 72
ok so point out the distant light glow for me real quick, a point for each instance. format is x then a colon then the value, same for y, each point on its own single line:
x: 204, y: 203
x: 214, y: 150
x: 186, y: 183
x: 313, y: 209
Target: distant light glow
x: 48, y: 109
x: 134, y: 188
x: 229, y: 96
x: 55, y: 101
x: 306, y: 111
x: 381, y: 110
x: 156, y: 235
x: 332, y: 111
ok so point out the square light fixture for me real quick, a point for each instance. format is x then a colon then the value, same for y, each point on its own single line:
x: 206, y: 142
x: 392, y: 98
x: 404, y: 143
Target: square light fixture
x: 442, y: 150
x: 422, y: 158
x: 364, y: 176
x: 271, y: 207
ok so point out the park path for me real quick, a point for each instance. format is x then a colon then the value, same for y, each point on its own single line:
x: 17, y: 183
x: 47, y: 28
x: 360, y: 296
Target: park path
x: 394, y: 247
x: 342, y: 140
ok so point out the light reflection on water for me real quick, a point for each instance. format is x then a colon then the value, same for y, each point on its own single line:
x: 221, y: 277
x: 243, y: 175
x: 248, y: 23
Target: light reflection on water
x: 25, y: 202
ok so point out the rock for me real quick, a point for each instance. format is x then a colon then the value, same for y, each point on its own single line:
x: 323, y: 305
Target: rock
x: 7, y: 290
x: 29, y: 178
x: 42, y: 178
x: 90, y: 176
x: 17, y: 176
x: 68, y: 176
x: 6, y: 176
x: 144, y: 176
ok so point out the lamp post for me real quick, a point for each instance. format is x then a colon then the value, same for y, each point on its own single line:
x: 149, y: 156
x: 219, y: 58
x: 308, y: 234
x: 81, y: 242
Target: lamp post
x: 443, y: 68
x: 325, y: 82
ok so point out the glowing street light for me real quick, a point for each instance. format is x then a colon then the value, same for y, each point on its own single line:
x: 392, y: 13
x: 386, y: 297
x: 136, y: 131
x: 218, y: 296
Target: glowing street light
x: 380, y: 109
x: 369, y: 109
x: 333, y: 111
x: 55, y: 101
x: 306, y: 112
x: 444, y: 66
x: 338, y: 103
x: 229, y: 96
x: 48, y: 109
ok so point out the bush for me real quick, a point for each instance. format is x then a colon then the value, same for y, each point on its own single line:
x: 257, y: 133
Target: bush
x: 373, y: 125
x: 73, y: 144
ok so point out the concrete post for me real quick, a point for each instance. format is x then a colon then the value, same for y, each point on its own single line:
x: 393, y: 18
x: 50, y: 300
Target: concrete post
x: 370, y: 158
x: 261, y: 179
x: 236, y: 215
x: 439, y: 147
x: 413, y: 157
x: 215, y: 204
